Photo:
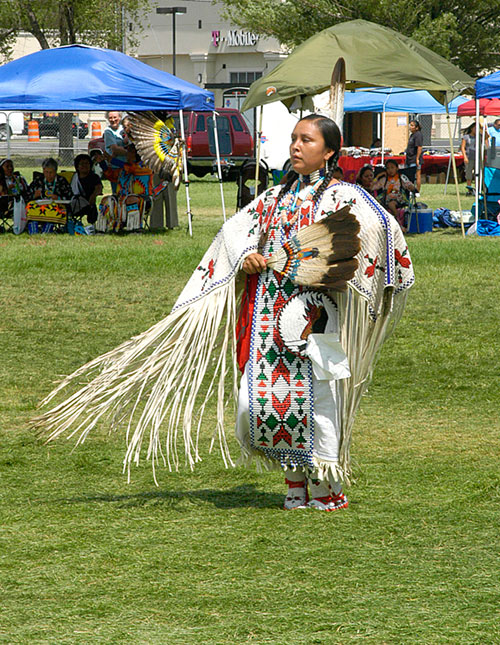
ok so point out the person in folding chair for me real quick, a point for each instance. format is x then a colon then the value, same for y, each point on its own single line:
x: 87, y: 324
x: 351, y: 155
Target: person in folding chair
x: 128, y: 208
x: 395, y: 192
x: 323, y: 272
x: 50, y: 195
x: 86, y: 186
x: 5, y: 205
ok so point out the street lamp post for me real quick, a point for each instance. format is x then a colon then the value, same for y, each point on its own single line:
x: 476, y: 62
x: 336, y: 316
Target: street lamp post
x: 174, y: 11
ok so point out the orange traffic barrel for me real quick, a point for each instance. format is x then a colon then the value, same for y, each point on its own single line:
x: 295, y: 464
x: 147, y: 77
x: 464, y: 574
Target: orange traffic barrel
x: 96, y: 129
x: 33, y: 131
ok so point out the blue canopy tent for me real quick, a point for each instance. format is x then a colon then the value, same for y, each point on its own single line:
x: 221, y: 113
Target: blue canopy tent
x: 82, y: 78
x: 488, y: 87
x: 397, y: 99
x: 79, y: 78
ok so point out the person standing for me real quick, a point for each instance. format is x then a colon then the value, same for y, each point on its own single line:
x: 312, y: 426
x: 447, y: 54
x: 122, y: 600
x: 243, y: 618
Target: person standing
x: 468, y: 150
x: 494, y: 132
x: 305, y: 347
x: 115, y: 142
x: 414, y: 152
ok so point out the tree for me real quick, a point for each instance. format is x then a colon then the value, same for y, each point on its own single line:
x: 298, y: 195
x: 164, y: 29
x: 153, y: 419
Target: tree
x: 463, y: 31
x: 90, y: 22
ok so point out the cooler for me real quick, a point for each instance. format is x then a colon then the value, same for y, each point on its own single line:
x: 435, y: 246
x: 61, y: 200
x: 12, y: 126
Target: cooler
x: 421, y: 221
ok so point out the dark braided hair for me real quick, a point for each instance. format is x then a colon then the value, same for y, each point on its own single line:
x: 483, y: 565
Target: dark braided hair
x: 332, y: 138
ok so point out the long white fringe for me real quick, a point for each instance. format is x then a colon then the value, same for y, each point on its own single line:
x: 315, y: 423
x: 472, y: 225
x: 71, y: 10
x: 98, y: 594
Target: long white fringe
x: 152, y: 381
x: 362, y: 339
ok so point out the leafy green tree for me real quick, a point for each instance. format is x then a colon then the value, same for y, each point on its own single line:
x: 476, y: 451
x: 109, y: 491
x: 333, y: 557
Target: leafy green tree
x: 90, y: 22
x: 466, y: 32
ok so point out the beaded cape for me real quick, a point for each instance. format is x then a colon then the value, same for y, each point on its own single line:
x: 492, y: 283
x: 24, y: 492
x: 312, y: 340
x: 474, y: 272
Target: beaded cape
x: 157, y: 385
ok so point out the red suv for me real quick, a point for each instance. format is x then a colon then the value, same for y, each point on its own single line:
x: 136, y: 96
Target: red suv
x: 235, y: 141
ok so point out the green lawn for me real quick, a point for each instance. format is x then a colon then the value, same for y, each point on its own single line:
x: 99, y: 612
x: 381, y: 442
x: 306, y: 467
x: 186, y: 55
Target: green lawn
x: 210, y: 557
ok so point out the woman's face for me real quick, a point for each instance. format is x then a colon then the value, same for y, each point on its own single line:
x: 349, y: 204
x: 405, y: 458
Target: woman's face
x: 367, y: 178
x: 8, y: 168
x: 308, y: 151
x: 49, y: 173
x: 83, y: 167
x: 413, y: 127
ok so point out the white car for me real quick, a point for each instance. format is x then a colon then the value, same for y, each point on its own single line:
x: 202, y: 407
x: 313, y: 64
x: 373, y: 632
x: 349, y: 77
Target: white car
x: 15, y: 121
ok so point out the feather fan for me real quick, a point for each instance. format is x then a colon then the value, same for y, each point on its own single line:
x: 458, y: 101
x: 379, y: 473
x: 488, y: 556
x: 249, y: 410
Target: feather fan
x: 157, y: 142
x: 323, y: 254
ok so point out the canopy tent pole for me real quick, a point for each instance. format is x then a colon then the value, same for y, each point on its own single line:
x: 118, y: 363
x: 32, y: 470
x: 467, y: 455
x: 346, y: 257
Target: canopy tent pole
x: 454, y: 164
x: 7, y: 127
x: 219, y: 169
x: 257, y: 152
x: 383, y: 139
x: 481, y: 182
x: 476, y: 164
x: 449, y: 160
x: 186, y: 175
x: 383, y: 126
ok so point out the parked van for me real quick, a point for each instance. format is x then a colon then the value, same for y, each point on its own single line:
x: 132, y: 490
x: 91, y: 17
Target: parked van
x: 16, y: 124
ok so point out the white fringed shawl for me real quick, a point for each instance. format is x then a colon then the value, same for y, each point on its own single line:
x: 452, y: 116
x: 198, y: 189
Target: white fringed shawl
x: 152, y: 383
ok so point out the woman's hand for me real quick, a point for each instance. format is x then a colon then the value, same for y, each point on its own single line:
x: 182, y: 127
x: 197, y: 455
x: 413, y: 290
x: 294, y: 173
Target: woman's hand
x: 254, y: 263
x: 37, y: 194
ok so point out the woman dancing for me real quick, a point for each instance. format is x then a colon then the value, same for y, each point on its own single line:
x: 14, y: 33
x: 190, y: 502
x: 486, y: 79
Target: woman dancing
x: 305, y: 347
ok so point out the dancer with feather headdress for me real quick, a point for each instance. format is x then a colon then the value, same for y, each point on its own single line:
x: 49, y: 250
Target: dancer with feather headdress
x: 327, y: 272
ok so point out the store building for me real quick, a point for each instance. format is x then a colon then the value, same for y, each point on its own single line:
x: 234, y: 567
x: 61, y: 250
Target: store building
x: 209, y: 51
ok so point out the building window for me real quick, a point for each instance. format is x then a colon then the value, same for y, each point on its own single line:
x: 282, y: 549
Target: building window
x: 199, y: 24
x: 239, y: 78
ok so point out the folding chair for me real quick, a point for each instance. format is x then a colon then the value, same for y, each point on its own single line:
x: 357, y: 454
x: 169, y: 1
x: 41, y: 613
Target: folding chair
x: 6, y: 214
x: 489, y: 206
x: 410, y: 175
x: 247, y: 173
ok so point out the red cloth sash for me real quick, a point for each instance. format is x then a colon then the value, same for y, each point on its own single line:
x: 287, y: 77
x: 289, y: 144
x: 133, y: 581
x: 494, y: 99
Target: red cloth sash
x: 244, y: 323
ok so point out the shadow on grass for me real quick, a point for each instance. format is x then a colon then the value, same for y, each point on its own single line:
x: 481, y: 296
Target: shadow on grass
x: 242, y: 496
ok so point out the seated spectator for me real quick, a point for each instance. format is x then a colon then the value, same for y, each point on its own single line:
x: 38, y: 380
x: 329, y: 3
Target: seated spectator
x: 365, y: 178
x: 46, y: 192
x: 86, y: 186
x: 17, y: 191
x: 4, y: 191
x: 395, y: 192
x: 16, y: 183
x: 338, y: 173
x: 134, y: 190
x: 50, y: 185
x: 4, y: 202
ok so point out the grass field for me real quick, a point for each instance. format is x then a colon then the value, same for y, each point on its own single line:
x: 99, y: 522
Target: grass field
x: 209, y: 557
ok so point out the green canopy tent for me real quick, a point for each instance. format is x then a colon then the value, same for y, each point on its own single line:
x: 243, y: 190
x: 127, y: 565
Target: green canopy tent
x: 375, y: 56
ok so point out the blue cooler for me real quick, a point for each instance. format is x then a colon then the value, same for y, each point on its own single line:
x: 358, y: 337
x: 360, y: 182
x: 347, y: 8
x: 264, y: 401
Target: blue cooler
x: 421, y: 221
